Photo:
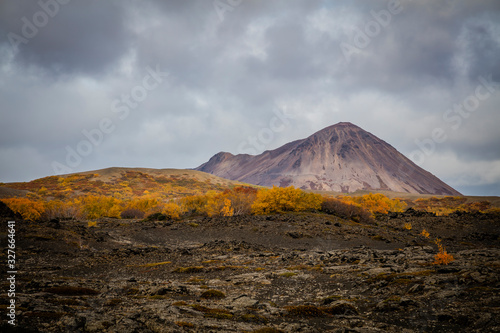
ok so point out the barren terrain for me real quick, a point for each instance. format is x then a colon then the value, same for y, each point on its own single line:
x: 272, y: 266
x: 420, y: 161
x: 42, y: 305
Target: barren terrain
x: 276, y: 273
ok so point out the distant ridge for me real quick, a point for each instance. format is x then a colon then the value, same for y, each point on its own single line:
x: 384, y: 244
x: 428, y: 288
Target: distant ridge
x: 342, y: 158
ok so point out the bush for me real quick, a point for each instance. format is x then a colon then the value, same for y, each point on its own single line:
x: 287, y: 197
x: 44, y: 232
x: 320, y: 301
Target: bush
x: 241, y: 199
x: 193, y: 205
x: 376, y: 203
x: 279, y: 199
x: 172, y: 210
x: 132, y: 213
x: 442, y: 257
x: 29, y: 209
x: 346, y: 211
x: 57, y: 209
x: 95, y: 207
x: 147, y: 204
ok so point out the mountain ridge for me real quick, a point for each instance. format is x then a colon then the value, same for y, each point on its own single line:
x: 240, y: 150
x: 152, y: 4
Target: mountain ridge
x: 341, y: 157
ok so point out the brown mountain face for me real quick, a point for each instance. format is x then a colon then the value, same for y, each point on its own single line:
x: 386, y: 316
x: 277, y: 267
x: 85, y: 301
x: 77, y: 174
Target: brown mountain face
x: 341, y: 158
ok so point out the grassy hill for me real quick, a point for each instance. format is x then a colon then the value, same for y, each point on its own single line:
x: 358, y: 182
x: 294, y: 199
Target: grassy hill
x: 121, y: 183
x: 167, y: 184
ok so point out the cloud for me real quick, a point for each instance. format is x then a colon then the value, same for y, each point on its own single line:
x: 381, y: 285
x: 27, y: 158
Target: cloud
x: 229, y: 74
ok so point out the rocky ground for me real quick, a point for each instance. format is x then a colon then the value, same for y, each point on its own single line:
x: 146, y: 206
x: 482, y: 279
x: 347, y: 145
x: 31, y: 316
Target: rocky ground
x: 279, y: 273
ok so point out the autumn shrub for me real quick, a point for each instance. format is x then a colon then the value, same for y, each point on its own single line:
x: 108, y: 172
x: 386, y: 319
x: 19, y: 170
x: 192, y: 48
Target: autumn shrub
x: 345, y: 210
x: 209, y: 204
x: 94, y: 207
x: 172, y: 210
x: 217, y: 204
x: 132, y: 213
x: 193, y: 205
x: 58, y: 209
x: 30, y: 210
x: 279, y: 199
x: 147, y: 204
x: 241, y: 199
x: 425, y: 233
x: 442, y: 257
x: 376, y: 203
x: 475, y: 207
x: 493, y: 211
x: 442, y: 206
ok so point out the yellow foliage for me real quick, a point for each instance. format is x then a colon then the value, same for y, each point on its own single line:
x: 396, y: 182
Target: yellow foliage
x: 442, y: 257
x: 213, y: 204
x: 375, y: 203
x: 227, y: 210
x: 279, y: 199
x: 29, y: 209
x: 194, y: 204
x: 425, y: 233
x: 172, y: 210
x: 94, y: 207
x: 493, y: 210
x: 210, y: 204
x: 408, y: 226
x: 42, y: 191
x: 241, y: 199
x: 71, y: 209
x: 147, y: 205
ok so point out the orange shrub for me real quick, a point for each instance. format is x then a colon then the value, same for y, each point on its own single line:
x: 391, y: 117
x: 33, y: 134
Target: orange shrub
x: 442, y: 257
x: 376, y: 203
x: 227, y: 209
x: 425, y: 233
x: 57, y: 209
x: 478, y: 206
x: 279, y: 199
x: 94, y: 207
x: 210, y: 204
x: 172, y: 210
x: 440, y: 206
x: 193, y: 205
x: 214, y: 204
x: 29, y: 209
x: 147, y: 205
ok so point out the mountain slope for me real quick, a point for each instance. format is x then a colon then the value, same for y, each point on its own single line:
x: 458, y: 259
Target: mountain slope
x: 342, y: 158
x: 121, y: 182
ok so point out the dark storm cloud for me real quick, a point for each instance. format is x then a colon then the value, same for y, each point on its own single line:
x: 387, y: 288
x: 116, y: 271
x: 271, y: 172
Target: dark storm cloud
x: 81, y: 38
x: 231, y: 70
x: 484, y: 48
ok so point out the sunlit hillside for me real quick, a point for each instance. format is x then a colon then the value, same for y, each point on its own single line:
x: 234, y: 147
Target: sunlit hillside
x: 121, y: 183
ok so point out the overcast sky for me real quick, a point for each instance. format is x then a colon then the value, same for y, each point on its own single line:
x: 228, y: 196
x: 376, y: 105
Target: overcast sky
x: 89, y: 84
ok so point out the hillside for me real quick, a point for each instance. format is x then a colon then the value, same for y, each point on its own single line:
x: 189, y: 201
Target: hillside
x: 121, y: 183
x: 341, y: 158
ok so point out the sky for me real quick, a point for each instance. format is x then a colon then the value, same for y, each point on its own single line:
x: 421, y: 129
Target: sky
x: 86, y: 85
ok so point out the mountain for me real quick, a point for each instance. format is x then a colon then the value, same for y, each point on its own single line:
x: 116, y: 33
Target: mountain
x: 341, y: 158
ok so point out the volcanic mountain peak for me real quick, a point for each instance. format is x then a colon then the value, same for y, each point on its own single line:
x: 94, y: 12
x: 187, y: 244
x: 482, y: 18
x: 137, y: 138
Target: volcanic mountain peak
x: 342, y: 157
